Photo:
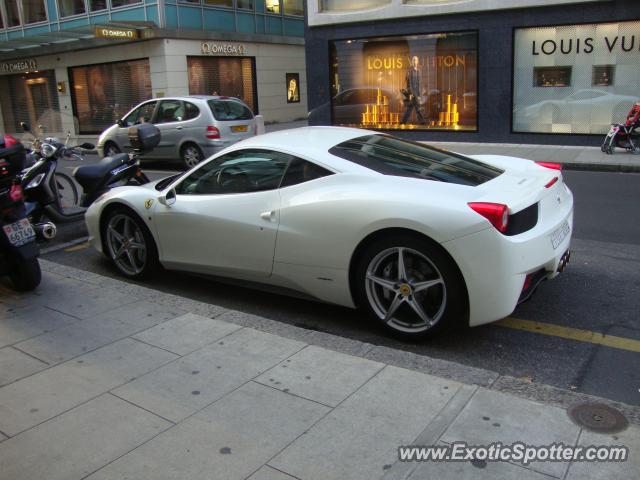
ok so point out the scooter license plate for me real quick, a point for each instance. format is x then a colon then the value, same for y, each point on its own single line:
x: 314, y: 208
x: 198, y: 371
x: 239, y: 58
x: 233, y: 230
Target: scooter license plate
x: 20, y: 232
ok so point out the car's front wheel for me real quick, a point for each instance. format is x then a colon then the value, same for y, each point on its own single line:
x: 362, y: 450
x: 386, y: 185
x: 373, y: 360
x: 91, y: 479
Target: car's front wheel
x: 129, y: 244
x: 411, y: 286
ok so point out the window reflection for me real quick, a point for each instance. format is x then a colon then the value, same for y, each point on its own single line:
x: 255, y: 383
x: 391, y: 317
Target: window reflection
x: 71, y: 7
x: 33, y: 11
x: 293, y: 7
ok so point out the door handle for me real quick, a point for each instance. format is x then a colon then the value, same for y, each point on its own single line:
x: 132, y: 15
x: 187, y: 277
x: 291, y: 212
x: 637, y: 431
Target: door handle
x: 178, y: 128
x: 269, y: 216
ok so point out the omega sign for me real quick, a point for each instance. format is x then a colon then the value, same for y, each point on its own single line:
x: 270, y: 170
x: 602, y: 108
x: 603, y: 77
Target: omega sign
x: 117, y: 33
x: 18, y: 66
x: 217, y: 48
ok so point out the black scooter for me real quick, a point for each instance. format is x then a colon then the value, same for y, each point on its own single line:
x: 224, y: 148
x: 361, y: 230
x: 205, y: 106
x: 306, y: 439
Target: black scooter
x: 18, y: 249
x: 42, y: 189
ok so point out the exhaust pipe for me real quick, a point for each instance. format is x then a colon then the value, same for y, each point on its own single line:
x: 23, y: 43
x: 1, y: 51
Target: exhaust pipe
x: 46, y: 230
x: 564, y: 261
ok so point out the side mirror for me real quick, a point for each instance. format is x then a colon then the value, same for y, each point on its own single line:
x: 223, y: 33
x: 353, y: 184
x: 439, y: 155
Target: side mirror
x: 87, y: 146
x: 168, y: 199
x: 25, y: 126
x: 120, y: 123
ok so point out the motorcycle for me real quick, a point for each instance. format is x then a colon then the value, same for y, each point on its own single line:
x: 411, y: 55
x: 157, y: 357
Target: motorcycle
x: 18, y: 249
x: 46, y: 189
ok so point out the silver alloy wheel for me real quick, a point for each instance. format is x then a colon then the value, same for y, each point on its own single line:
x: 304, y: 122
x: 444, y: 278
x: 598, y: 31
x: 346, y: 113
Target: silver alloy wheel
x: 126, y: 244
x: 405, y: 289
x: 191, y: 156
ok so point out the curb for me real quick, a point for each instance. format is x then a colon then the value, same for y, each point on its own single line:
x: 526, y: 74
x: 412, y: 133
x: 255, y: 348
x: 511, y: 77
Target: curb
x: 541, y: 393
x: 601, y: 167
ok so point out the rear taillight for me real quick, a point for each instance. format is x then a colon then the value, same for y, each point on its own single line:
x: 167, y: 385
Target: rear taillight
x: 15, y: 193
x: 496, y: 213
x: 212, y: 133
x: 551, y: 165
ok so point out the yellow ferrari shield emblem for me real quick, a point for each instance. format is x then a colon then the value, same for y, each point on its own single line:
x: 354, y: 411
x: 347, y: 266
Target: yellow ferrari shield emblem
x: 148, y: 203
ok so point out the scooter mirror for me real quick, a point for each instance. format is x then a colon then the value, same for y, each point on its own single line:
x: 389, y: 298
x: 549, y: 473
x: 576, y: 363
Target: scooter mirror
x: 25, y: 126
x: 87, y: 146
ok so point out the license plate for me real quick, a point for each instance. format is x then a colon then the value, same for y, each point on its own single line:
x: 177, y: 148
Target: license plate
x: 560, y: 234
x: 239, y: 129
x: 20, y: 232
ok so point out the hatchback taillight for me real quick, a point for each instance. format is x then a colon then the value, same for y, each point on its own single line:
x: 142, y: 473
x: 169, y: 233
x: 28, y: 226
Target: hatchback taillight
x: 496, y: 213
x: 212, y: 133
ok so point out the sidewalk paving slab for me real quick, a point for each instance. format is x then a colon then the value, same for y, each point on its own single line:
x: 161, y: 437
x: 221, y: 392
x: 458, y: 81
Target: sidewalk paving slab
x: 360, y: 437
x: 181, y: 388
x: 35, y: 399
x: 186, y: 333
x: 321, y: 375
x: 116, y: 324
x: 610, y: 470
x: 229, y: 440
x: 79, y: 441
x: 15, y: 365
x: 20, y: 324
x: 497, y: 417
x: 269, y: 473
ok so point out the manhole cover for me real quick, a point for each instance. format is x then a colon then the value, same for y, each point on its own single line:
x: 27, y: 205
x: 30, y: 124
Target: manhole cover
x: 598, y: 417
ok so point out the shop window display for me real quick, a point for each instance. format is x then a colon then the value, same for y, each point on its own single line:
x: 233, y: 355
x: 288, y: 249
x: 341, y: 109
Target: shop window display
x: 575, y: 78
x: 103, y: 93
x: 293, y: 87
x: 424, y: 82
x: 232, y: 77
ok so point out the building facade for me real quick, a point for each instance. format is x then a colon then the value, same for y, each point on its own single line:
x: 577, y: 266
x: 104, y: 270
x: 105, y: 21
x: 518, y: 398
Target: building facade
x: 515, y: 71
x: 79, y: 65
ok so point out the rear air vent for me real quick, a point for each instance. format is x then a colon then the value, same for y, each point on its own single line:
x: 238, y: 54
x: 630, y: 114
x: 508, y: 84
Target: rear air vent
x: 522, y: 221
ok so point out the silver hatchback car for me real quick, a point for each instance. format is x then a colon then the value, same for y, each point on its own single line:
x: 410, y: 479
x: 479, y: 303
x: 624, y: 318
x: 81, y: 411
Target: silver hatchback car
x: 192, y: 128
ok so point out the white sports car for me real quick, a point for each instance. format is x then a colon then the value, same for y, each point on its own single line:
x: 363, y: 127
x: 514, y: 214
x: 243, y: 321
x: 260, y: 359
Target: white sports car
x: 418, y: 237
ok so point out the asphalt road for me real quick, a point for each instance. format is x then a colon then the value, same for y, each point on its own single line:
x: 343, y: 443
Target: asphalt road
x: 598, y: 292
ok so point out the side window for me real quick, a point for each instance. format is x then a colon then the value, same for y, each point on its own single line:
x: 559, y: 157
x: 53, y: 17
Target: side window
x: 190, y: 111
x: 242, y: 171
x: 170, y: 111
x: 141, y: 114
x: 301, y: 171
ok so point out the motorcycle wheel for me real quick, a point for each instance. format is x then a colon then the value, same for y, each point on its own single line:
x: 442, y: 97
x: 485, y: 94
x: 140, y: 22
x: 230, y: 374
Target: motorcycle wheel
x: 26, y: 275
x: 67, y: 191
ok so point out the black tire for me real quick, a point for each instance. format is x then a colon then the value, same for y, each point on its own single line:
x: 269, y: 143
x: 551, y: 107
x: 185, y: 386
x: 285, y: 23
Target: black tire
x: 26, y: 274
x: 140, y: 266
x: 67, y: 191
x: 444, y: 303
x: 111, y: 149
x: 190, y: 155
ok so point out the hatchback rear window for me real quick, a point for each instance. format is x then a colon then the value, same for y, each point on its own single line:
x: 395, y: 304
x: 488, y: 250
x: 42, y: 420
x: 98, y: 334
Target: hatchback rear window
x: 394, y: 156
x: 229, y: 110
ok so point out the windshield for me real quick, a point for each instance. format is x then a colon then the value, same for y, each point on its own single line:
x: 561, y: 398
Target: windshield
x: 393, y: 156
x: 229, y: 110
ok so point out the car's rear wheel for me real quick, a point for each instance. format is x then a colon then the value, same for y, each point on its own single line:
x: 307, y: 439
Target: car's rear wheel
x: 411, y: 286
x: 129, y: 244
x: 111, y: 149
x: 191, y: 155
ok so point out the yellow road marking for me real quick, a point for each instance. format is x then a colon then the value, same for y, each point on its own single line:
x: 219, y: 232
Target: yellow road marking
x: 577, y: 334
x: 75, y: 248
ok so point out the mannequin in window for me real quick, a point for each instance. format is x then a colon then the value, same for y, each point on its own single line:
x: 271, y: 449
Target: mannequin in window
x: 412, y: 92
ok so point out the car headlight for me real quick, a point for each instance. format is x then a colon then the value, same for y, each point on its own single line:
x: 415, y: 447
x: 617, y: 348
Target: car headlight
x: 47, y: 150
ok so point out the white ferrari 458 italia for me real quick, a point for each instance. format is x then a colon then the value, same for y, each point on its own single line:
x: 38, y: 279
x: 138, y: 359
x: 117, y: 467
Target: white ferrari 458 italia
x: 418, y: 237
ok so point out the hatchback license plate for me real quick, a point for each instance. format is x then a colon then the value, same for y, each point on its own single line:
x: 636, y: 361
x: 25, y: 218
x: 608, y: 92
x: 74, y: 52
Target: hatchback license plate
x: 560, y: 234
x: 19, y: 232
x: 239, y: 129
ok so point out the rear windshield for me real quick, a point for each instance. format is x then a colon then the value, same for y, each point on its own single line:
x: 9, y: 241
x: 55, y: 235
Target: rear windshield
x: 393, y: 156
x: 229, y: 110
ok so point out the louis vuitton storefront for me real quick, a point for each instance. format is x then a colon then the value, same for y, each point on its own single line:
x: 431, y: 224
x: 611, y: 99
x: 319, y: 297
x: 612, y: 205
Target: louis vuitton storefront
x: 477, y: 72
